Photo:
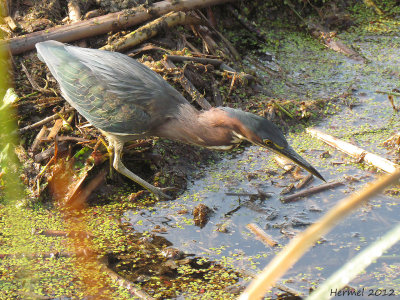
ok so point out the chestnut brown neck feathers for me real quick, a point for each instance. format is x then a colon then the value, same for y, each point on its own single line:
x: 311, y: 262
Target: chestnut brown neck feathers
x: 211, y: 129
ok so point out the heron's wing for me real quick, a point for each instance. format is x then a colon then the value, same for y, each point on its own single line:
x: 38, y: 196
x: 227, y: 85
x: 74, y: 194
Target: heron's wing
x: 112, y: 91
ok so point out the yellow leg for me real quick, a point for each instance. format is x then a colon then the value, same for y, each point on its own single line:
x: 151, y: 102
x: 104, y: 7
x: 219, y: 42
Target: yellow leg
x: 120, y: 167
x: 110, y: 151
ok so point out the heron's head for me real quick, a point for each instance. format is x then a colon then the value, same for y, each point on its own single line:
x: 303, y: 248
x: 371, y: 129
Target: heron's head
x: 262, y: 132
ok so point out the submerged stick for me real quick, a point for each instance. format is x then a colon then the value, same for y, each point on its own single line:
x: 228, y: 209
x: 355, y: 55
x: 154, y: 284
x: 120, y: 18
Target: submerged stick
x: 123, y: 282
x: 310, y: 191
x: 352, y: 150
x: 298, y: 246
x: 261, y: 235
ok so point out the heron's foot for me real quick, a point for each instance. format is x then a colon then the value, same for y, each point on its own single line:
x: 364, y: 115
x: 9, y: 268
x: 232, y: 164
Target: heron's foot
x: 160, y: 193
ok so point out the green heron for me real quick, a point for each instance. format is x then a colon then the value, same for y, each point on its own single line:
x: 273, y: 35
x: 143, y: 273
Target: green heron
x: 126, y: 101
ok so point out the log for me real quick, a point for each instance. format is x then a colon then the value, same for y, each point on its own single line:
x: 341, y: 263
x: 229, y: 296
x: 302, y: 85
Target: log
x: 261, y: 235
x: 103, y: 24
x: 311, y: 191
x: 352, y: 150
x: 150, y: 30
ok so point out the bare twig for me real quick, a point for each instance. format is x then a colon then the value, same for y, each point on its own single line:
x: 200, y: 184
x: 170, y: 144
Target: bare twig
x: 130, y: 286
x: 361, y: 154
x: 38, y: 138
x: 62, y: 233
x: 62, y: 147
x: 332, y: 42
x: 31, y: 80
x: 202, y: 60
x: 74, y: 15
x: 145, y: 47
x: 305, y: 181
x: 311, y: 191
x: 235, y: 54
x: 70, y: 138
x: 44, y: 121
x: 261, y: 235
x: 55, y: 129
x: 246, y: 24
x: 216, y: 93
x: 226, y: 68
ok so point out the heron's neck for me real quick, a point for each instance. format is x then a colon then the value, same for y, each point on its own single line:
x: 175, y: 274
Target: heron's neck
x: 205, y: 128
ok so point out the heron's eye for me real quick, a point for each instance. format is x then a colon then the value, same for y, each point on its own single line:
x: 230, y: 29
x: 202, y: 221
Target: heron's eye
x: 271, y: 144
x: 268, y: 143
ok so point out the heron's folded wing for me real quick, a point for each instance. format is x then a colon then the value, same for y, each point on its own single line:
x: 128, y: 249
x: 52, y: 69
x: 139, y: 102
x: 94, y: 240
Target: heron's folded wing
x: 112, y: 91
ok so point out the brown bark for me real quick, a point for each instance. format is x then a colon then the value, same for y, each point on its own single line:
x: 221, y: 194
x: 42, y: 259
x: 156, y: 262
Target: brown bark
x: 150, y: 30
x: 354, y: 151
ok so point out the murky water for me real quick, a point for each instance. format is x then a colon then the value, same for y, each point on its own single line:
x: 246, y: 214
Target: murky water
x: 366, y: 118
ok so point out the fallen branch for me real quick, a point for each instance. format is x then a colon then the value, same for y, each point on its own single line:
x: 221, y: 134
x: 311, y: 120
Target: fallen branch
x: 103, y: 24
x: 62, y: 233
x: 38, y: 138
x: 226, y: 68
x: 261, y: 235
x: 189, y: 87
x: 55, y: 129
x: 69, y: 138
x: 388, y: 93
x: 62, y: 147
x: 235, y: 54
x: 211, y: 61
x: 327, y: 37
x: 216, y: 93
x: 352, y: 150
x: 44, y: 121
x: 32, y: 81
x: 305, y: 181
x: 284, y: 163
x: 43, y: 255
x: 74, y: 12
x: 151, y: 29
x: 202, y: 60
x: 130, y: 286
x: 75, y: 15
x: 311, y: 191
x: 246, y: 24
x: 333, y: 42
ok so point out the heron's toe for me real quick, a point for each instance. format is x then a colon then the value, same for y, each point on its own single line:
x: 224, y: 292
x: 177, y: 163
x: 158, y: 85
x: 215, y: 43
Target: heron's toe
x: 160, y: 193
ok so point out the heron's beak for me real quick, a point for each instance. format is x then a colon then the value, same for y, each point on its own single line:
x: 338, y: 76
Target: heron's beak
x: 296, y: 158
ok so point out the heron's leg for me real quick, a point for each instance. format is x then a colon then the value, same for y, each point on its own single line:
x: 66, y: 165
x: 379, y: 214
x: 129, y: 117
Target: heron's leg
x: 120, y: 167
x: 110, y: 152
